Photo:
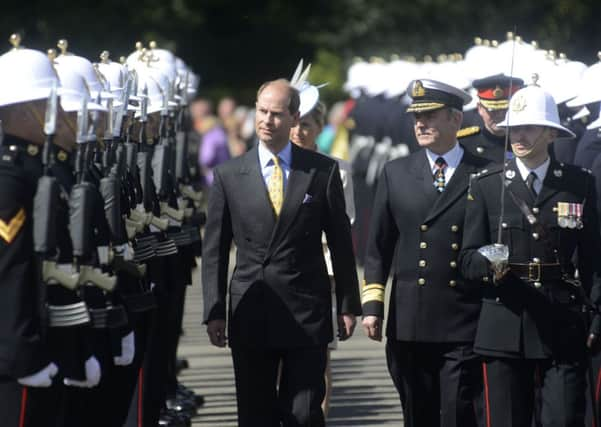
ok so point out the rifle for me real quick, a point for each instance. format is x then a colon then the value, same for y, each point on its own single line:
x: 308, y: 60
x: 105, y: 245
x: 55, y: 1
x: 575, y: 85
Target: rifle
x: 46, y: 202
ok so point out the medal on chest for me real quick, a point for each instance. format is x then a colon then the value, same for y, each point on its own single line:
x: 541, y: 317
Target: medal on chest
x: 569, y: 215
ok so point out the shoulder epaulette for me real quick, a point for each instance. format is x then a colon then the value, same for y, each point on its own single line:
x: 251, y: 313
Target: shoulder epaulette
x: 469, y: 131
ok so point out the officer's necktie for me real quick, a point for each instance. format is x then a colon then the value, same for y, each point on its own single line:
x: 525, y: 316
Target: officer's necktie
x: 530, y: 183
x: 439, y: 180
x: 275, y: 186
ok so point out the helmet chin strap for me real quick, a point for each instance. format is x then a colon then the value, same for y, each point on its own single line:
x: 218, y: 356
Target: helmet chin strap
x: 527, y: 153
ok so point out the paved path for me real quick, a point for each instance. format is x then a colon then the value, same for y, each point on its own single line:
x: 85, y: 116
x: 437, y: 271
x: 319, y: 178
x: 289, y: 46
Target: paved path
x: 363, y: 393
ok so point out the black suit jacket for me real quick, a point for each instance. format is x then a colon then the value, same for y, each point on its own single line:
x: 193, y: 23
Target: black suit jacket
x: 528, y: 318
x: 418, y: 232
x: 280, y: 291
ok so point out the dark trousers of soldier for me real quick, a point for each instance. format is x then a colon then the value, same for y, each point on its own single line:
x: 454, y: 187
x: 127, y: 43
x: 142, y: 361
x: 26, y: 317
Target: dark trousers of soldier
x: 167, y: 275
x: 509, y: 393
x: 119, y: 382
x: 22, y: 406
x: 439, y: 384
x: 301, y: 388
x: 594, y: 386
x: 149, y: 396
x: 180, y: 267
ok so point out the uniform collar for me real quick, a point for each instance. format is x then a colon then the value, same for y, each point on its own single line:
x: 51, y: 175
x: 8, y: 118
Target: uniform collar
x: 540, y: 171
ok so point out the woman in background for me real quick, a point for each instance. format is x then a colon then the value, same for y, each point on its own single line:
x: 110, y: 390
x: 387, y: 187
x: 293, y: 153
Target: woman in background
x: 305, y: 134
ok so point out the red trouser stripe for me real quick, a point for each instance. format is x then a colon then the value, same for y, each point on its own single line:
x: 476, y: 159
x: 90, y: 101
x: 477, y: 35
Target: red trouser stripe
x: 23, y: 407
x: 140, y: 397
x: 486, y: 401
x: 597, y: 389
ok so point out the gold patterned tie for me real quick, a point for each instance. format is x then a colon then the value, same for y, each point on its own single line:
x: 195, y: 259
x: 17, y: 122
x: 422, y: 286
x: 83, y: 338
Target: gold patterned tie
x: 275, y: 186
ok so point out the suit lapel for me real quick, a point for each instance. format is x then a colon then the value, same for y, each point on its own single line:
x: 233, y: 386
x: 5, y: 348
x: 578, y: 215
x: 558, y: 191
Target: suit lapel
x: 298, y: 182
x: 253, y: 184
x: 454, y: 189
x: 421, y: 171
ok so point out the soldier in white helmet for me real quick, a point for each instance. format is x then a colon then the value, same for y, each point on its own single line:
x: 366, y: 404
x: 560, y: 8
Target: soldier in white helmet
x: 33, y: 123
x: 534, y: 320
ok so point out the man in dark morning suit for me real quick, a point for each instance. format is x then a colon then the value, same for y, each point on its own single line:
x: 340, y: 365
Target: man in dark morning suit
x: 416, y: 230
x: 273, y: 203
x: 534, y: 321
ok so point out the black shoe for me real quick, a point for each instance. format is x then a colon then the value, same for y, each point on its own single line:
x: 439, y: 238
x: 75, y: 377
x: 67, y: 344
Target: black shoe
x: 185, y: 392
x: 181, y: 364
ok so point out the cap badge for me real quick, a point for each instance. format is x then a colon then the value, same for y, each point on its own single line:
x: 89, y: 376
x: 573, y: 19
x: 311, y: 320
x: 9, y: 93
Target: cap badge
x: 518, y: 103
x: 510, y: 174
x: 61, y: 156
x: 418, y: 89
x: 558, y: 173
x: 32, y: 150
x: 497, y: 93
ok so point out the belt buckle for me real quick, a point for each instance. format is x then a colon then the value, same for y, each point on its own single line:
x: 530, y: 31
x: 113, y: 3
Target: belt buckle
x: 534, y: 267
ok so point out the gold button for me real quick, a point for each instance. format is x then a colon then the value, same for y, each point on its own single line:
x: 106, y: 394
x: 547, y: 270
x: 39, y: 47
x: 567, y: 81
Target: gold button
x: 537, y: 285
x: 480, y: 150
x: 535, y: 236
x: 455, y: 246
x: 535, y: 210
x: 423, y: 227
x: 422, y: 263
x: 536, y: 260
x: 453, y: 264
x: 423, y: 245
x: 452, y: 283
x: 454, y: 228
x: 421, y: 282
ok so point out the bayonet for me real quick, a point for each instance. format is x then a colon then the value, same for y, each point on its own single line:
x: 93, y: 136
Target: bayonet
x: 51, y: 110
x: 50, y: 124
x: 108, y: 132
x: 123, y: 108
x: 82, y: 120
x: 144, y: 105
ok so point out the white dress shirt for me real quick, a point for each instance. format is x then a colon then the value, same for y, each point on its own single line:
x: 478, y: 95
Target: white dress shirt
x: 452, y: 158
x: 266, y: 162
x: 540, y: 172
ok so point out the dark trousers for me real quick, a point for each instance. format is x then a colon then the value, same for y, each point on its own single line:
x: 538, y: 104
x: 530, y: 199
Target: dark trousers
x: 297, y: 401
x: 23, y: 406
x: 439, y: 384
x: 509, y: 393
x: 179, y: 268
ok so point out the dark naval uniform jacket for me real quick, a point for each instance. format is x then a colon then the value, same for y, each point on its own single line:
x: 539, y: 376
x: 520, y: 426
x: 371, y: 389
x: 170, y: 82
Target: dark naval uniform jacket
x: 417, y: 233
x: 481, y: 143
x: 279, y: 292
x: 536, y: 311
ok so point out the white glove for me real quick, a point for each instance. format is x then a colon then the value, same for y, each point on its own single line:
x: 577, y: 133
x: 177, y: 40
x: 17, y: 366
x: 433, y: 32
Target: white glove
x: 92, y: 375
x: 128, y: 350
x: 41, y: 378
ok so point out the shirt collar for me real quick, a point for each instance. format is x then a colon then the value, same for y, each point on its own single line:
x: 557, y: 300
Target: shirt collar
x: 540, y: 171
x: 265, y: 156
x: 451, y: 157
